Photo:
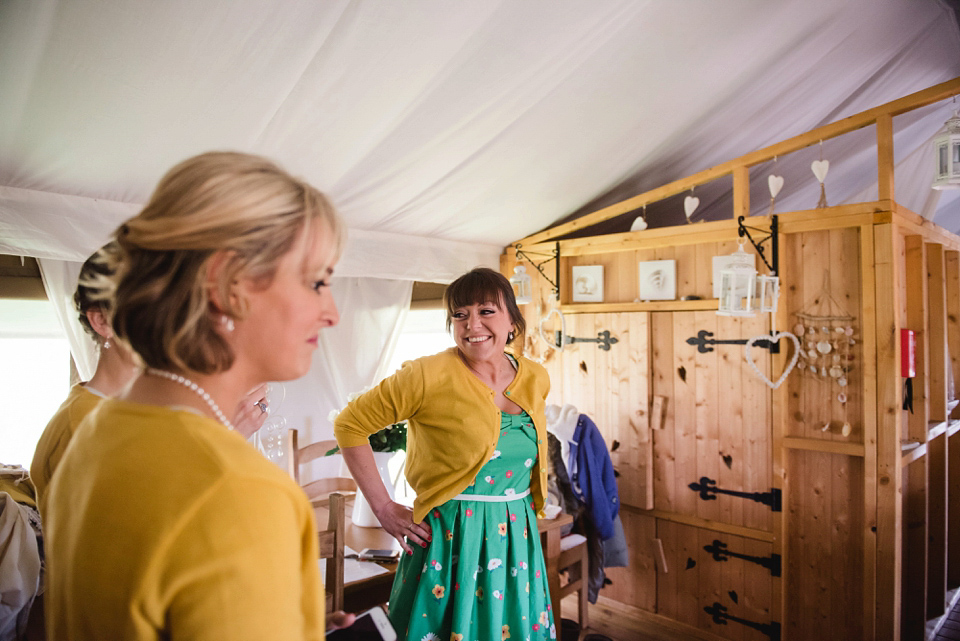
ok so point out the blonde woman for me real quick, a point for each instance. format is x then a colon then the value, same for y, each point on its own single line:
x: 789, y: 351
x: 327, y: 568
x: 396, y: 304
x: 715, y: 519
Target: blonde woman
x: 162, y: 522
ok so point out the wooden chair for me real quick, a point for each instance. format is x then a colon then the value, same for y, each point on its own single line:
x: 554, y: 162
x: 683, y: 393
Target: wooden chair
x: 331, y: 549
x: 317, y: 491
x: 573, y: 555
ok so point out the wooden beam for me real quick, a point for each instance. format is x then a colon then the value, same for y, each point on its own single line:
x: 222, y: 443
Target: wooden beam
x: 916, y: 291
x: 885, y: 157
x: 858, y: 121
x: 883, y: 331
x: 937, y: 331
x: 868, y: 328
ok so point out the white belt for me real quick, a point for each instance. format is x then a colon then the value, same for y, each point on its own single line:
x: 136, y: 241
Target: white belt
x: 486, y: 498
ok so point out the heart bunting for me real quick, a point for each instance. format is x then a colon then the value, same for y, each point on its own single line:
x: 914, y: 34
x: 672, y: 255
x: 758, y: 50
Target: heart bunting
x: 773, y: 337
x: 690, y: 204
x: 775, y: 183
x: 820, y: 169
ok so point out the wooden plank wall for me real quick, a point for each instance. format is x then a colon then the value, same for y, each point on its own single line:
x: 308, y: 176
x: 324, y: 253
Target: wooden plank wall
x: 825, y: 524
x: 825, y: 577
x: 869, y: 537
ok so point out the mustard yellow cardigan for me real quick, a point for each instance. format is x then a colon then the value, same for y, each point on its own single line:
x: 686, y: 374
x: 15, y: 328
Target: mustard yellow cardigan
x: 161, y: 524
x: 57, y: 434
x: 453, y: 423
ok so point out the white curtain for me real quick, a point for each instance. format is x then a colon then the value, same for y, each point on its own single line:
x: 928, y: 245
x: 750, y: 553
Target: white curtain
x: 60, y: 283
x: 351, y: 356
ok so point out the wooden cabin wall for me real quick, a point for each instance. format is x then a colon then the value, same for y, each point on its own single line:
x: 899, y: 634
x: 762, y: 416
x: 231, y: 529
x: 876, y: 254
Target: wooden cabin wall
x: 869, y: 536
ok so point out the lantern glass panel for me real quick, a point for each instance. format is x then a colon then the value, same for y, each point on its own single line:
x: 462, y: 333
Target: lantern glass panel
x: 520, y: 281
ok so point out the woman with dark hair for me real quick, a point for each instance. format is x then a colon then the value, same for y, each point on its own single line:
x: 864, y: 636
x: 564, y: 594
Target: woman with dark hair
x: 162, y: 522
x: 477, y: 460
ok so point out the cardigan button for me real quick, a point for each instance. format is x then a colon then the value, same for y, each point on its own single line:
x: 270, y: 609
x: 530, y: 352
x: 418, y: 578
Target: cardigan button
x: 507, y: 392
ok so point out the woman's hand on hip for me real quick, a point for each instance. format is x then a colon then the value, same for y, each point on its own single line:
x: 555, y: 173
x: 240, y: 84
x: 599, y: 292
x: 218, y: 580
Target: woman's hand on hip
x: 397, y: 520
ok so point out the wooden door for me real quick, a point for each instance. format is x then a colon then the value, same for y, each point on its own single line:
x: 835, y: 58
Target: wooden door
x: 612, y: 387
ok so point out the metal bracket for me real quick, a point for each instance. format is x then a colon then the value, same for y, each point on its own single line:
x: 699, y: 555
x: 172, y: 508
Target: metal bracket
x: 720, y: 553
x: 708, y: 490
x: 704, y: 338
x: 774, y: 263
x: 604, y: 340
x: 720, y: 617
x: 553, y: 255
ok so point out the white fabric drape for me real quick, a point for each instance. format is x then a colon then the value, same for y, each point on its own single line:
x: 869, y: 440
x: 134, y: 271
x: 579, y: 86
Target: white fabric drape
x: 351, y: 357
x: 469, y: 122
x: 60, y: 283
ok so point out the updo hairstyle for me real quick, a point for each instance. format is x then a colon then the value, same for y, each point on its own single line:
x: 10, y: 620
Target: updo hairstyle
x: 92, y: 282
x: 482, y: 285
x: 240, y: 203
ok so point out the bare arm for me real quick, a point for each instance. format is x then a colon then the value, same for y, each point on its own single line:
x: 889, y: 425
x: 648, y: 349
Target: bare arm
x: 395, y: 518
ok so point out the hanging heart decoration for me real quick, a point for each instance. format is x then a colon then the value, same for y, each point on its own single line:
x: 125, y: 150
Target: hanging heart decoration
x: 773, y: 337
x: 690, y: 204
x: 639, y: 224
x: 820, y: 169
x: 775, y: 183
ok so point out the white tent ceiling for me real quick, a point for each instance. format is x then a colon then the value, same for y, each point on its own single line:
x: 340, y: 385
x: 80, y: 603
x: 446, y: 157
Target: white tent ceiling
x: 444, y: 130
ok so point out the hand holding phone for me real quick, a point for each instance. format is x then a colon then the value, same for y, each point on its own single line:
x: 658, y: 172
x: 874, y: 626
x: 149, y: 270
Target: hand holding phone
x: 372, y: 625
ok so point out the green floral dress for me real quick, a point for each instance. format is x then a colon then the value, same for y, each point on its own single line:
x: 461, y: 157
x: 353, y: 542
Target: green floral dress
x: 482, y: 576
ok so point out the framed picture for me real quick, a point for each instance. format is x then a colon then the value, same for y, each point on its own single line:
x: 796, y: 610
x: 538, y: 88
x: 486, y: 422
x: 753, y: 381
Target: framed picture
x: 722, y: 262
x: 658, y: 280
x: 588, y: 284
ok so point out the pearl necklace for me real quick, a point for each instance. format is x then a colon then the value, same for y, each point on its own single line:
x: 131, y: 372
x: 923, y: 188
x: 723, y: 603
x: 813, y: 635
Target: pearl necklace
x: 202, y: 393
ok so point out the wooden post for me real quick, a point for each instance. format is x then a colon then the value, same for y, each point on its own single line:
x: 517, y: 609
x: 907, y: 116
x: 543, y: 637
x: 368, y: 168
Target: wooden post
x: 885, y: 157
x: 870, y: 409
x: 889, y: 521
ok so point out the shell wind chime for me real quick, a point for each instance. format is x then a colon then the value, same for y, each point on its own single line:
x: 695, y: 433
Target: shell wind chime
x: 827, y: 337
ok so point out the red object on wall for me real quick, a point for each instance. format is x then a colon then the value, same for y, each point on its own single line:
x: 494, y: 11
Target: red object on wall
x: 908, y: 353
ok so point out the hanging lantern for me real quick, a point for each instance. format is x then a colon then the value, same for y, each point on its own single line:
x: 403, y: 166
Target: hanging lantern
x: 521, y: 285
x: 738, y: 286
x: 768, y: 293
x: 946, y: 146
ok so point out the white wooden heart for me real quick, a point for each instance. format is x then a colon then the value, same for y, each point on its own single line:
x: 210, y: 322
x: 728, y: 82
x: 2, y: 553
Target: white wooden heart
x: 639, y: 224
x: 690, y: 204
x: 775, y: 183
x: 773, y: 337
x: 820, y: 169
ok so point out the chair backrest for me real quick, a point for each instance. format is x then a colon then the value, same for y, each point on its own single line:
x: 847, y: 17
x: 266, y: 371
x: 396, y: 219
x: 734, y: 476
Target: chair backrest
x: 331, y: 548
x: 317, y: 491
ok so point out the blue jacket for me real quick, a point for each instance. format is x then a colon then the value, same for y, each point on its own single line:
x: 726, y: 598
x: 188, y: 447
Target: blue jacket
x: 592, y: 477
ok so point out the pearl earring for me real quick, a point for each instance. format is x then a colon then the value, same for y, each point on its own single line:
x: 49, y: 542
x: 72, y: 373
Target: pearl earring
x: 227, y: 322
x: 106, y: 344
x: 510, y: 336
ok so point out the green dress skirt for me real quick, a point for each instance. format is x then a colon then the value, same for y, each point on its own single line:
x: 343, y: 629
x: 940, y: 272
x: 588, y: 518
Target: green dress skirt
x: 482, y: 576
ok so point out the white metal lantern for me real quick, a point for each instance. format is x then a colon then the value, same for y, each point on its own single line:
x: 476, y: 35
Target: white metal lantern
x: 768, y: 293
x: 521, y: 285
x: 946, y: 147
x: 738, y: 286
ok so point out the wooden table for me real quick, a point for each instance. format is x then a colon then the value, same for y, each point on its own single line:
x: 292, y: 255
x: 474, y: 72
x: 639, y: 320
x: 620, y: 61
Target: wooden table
x: 359, y: 595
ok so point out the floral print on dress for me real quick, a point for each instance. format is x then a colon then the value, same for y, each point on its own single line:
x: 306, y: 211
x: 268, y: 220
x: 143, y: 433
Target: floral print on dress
x: 474, y: 541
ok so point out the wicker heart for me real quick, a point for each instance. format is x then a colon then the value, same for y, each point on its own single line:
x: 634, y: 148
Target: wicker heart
x: 775, y: 183
x: 773, y: 337
x: 690, y: 204
x: 820, y: 169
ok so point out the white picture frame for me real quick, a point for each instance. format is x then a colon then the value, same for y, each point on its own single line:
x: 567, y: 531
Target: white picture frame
x: 587, y: 284
x: 723, y: 262
x: 657, y: 279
